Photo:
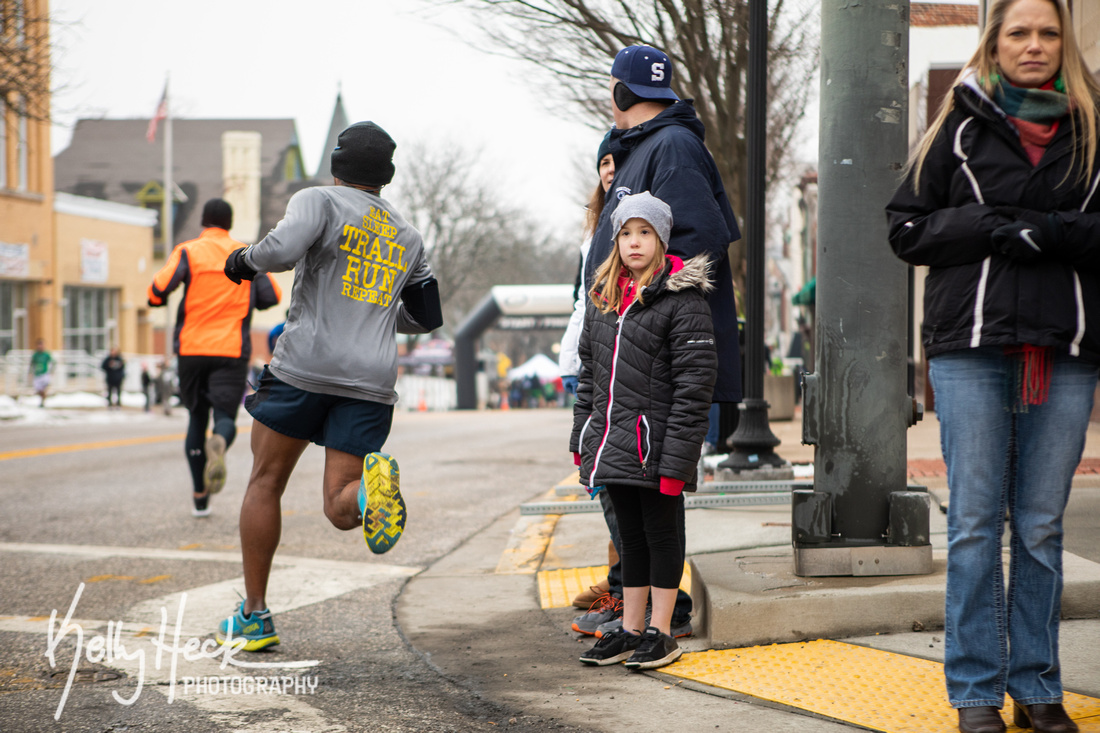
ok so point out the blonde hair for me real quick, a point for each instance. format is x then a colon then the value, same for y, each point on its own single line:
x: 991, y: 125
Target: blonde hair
x: 606, y: 293
x: 1081, y: 88
x: 594, y: 209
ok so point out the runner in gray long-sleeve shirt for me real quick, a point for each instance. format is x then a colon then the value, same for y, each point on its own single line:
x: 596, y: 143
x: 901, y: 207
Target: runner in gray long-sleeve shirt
x: 360, y: 277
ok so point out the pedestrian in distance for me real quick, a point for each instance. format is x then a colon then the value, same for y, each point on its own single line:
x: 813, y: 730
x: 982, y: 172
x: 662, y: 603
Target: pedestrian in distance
x: 114, y: 368
x: 147, y: 386
x: 213, y: 341
x: 41, y: 365
x: 361, y: 277
x: 648, y: 368
x: 1000, y: 201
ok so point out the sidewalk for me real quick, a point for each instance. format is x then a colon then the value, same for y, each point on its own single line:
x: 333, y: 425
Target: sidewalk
x: 881, y: 672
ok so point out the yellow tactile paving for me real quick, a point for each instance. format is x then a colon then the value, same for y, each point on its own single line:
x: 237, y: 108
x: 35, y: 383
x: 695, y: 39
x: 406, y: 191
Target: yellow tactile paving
x: 866, y: 687
x: 558, y: 588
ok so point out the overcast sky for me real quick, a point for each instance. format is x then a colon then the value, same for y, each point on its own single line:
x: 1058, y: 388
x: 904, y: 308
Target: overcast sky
x: 398, y: 62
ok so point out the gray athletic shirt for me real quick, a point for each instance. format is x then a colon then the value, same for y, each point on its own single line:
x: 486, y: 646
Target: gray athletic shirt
x: 352, y: 254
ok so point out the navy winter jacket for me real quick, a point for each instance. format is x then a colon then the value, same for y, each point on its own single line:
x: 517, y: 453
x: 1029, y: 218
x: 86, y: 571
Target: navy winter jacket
x: 645, y: 384
x: 666, y: 157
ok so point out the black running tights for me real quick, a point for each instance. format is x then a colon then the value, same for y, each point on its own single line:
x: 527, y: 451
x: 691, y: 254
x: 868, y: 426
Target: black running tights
x: 194, y: 445
x: 651, y: 554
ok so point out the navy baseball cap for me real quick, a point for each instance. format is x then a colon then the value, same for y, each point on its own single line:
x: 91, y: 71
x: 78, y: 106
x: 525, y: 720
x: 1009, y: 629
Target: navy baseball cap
x: 645, y: 71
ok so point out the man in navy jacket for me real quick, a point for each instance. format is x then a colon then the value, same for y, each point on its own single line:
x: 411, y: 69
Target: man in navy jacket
x: 657, y: 143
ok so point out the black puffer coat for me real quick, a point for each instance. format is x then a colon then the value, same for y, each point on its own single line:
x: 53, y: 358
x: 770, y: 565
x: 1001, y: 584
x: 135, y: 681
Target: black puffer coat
x: 645, y: 384
x: 974, y: 296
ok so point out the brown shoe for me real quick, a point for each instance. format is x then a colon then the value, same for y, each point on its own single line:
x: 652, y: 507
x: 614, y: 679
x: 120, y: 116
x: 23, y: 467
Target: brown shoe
x: 981, y: 720
x: 1043, y: 718
x: 587, y: 597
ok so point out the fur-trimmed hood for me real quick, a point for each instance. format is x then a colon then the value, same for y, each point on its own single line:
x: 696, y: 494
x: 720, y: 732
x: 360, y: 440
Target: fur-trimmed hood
x: 694, y: 274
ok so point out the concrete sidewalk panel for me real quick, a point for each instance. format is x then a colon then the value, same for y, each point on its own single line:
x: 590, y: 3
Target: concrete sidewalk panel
x: 754, y: 597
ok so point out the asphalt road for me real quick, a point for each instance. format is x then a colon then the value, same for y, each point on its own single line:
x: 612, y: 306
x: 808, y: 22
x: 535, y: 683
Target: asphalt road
x: 74, y: 491
x: 95, y: 524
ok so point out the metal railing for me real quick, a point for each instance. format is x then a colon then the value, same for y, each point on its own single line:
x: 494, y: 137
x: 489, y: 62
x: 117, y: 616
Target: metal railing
x: 72, y: 371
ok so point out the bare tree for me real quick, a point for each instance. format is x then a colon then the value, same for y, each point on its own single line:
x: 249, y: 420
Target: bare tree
x: 24, y: 59
x: 474, y: 236
x: 707, y: 40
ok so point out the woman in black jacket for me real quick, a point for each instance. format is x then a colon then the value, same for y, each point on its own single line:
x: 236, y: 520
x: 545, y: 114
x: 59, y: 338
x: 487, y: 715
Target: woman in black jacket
x: 1000, y: 202
x: 648, y: 366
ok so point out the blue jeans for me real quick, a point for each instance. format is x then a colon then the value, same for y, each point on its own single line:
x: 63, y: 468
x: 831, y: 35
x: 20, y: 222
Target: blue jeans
x: 1000, y: 457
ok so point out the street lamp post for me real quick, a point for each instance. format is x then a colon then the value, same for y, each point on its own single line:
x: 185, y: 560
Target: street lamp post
x: 753, y: 443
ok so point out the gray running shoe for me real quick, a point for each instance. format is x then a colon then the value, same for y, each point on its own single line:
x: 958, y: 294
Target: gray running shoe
x: 604, y: 609
x: 679, y: 629
x: 654, y: 650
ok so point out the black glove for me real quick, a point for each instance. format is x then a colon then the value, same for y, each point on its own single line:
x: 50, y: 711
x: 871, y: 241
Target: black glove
x: 236, y: 269
x: 1031, y: 236
x: 1018, y: 241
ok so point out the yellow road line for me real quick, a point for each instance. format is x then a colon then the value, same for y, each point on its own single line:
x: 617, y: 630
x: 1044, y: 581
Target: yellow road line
x: 75, y: 447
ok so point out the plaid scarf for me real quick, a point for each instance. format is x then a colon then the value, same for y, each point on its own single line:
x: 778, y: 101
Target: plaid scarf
x: 1044, y: 105
x: 1035, y: 113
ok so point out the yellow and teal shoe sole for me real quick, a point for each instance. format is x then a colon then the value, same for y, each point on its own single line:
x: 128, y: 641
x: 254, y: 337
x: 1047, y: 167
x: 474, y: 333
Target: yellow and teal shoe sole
x: 249, y: 645
x: 384, y: 520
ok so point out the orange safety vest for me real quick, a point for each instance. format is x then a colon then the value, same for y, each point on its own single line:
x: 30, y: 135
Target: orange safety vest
x: 214, y: 317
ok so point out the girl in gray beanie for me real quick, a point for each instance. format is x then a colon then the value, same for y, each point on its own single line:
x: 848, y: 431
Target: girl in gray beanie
x: 648, y: 366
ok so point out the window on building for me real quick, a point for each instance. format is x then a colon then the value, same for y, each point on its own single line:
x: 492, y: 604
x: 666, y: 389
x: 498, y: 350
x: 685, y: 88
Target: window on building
x: 91, y: 319
x: 13, y: 20
x: 22, y: 152
x: 13, y: 316
x: 3, y: 143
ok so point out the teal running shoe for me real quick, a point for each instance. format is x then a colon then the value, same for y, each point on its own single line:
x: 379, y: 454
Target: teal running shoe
x: 380, y: 502
x: 252, y: 632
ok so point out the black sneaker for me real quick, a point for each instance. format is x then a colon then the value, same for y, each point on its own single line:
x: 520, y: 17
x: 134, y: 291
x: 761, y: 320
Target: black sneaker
x: 654, y: 650
x: 613, y: 647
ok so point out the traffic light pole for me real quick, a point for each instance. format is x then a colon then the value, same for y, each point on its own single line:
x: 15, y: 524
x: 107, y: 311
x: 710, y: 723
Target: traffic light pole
x: 860, y: 518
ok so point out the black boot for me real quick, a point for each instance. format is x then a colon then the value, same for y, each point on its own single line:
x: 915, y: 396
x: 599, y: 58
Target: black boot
x: 981, y: 720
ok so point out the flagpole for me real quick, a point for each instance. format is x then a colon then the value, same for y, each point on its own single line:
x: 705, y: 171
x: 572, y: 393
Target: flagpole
x: 167, y: 233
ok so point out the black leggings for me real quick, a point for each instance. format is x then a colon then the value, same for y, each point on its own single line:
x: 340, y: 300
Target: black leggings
x: 651, y: 553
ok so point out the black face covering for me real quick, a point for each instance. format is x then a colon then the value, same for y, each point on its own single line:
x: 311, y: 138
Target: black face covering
x: 624, y: 98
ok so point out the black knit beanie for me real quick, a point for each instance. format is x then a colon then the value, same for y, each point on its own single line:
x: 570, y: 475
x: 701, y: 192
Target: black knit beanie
x: 364, y: 155
x: 217, y: 213
x: 604, y: 149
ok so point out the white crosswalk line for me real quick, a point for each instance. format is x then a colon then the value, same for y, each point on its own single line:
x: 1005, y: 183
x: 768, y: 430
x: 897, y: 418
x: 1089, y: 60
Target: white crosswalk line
x: 295, y: 582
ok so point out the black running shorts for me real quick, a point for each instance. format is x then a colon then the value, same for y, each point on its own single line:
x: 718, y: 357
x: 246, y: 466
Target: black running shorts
x: 215, y: 381
x: 345, y: 424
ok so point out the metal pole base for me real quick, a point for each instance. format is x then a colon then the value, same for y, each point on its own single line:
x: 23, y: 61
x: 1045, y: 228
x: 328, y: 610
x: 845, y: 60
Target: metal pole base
x: 873, y: 560
x: 753, y: 442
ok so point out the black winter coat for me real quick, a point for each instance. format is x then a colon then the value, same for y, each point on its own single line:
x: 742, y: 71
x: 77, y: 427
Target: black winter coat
x: 973, y: 295
x: 666, y: 156
x: 645, y: 385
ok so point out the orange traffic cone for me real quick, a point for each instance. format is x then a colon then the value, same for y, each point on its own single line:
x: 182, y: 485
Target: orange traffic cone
x: 422, y: 406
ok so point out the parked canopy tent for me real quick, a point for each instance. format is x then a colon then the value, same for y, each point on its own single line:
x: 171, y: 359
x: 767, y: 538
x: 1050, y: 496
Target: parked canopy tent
x: 539, y: 365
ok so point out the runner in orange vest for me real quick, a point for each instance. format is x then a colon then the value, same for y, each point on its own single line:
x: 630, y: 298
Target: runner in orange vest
x: 213, y: 342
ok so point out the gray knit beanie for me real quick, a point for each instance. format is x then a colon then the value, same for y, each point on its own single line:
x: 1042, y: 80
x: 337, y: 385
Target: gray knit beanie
x: 646, y: 206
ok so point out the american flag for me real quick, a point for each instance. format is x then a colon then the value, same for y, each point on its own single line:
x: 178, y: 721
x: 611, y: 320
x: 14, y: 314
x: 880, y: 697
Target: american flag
x: 160, y: 114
